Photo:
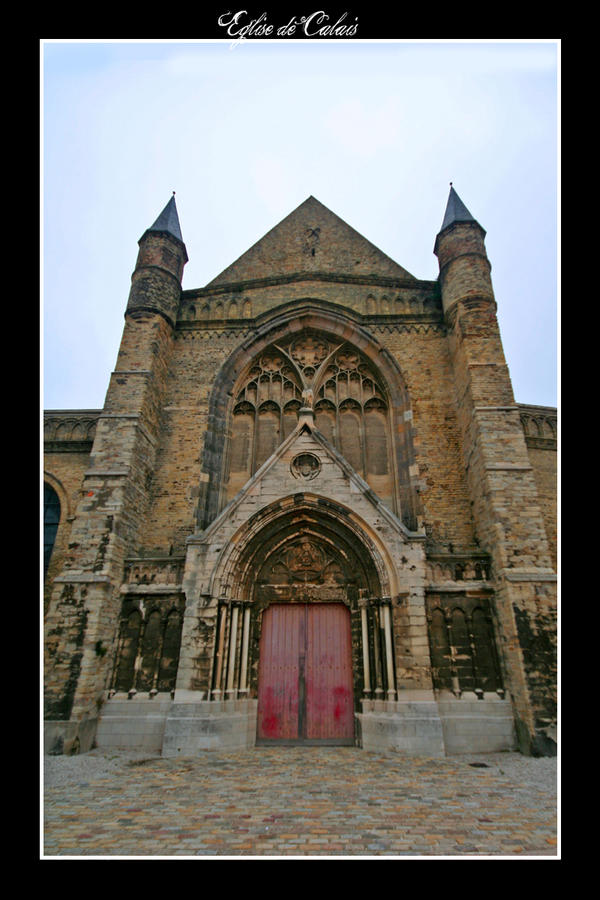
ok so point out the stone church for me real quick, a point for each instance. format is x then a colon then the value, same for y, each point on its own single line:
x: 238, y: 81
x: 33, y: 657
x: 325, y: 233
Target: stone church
x: 310, y: 511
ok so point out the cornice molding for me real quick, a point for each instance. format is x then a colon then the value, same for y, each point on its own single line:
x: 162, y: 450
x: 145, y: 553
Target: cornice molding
x: 333, y: 277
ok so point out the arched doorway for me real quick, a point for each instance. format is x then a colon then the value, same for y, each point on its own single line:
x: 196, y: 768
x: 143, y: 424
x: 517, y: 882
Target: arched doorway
x: 303, y: 633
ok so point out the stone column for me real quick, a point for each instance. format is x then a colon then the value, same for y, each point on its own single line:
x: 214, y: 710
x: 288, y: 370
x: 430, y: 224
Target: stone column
x: 377, y: 650
x: 365, y: 648
x: 243, y: 690
x: 389, y: 652
x: 220, y: 647
x: 230, y: 690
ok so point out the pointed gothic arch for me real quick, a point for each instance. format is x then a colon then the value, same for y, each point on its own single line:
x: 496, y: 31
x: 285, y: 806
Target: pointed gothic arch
x: 275, y: 528
x: 325, y: 358
x: 301, y: 551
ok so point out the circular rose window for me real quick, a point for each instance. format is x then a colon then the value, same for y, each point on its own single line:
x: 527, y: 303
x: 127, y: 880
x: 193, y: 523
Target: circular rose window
x: 306, y: 466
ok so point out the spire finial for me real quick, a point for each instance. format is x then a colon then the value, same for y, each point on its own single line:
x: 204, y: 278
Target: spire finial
x: 168, y: 220
x: 456, y: 211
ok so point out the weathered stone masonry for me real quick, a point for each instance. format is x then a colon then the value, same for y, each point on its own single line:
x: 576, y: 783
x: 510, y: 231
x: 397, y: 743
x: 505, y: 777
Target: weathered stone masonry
x: 315, y: 426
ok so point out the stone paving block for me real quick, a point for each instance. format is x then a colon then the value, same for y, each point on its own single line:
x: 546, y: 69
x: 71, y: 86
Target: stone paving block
x: 301, y: 801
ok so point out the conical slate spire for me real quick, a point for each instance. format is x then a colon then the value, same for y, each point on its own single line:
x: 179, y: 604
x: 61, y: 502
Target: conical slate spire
x: 456, y: 211
x: 168, y: 220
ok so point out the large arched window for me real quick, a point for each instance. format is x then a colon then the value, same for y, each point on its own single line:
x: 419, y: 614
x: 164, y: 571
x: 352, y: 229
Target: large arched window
x: 51, y: 520
x: 349, y: 399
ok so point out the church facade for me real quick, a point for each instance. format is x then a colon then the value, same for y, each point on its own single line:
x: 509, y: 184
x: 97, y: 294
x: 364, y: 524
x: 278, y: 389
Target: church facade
x: 310, y: 511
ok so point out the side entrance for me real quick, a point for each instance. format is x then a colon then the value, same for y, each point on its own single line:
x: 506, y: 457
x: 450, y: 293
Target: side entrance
x: 305, y: 692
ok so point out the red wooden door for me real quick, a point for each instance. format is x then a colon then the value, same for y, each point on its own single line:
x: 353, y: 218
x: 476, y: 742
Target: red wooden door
x: 279, y: 672
x: 305, y: 675
x: 329, y: 694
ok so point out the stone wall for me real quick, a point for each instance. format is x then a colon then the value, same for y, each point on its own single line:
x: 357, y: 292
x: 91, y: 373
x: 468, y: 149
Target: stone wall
x: 200, y: 351
x: 68, y: 438
x: 540, y: 427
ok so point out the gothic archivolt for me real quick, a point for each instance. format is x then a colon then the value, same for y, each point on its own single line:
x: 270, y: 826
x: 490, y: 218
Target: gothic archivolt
x: 298, y: 544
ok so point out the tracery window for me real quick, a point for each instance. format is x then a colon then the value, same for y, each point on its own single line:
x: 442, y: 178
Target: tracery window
x: 349, y: 400
x: 265, y: 412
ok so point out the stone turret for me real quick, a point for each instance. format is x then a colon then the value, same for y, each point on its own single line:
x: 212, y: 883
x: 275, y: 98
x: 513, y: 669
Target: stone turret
x: 156, y: 280
x: 84, y: 609
x: 506, y: 509
x: 460, y: 248
x: 470, y: 307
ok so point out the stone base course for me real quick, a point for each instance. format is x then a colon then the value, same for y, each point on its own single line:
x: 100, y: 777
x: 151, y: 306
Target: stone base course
x: 416, y: 727
x: 193, y: 727
x: 134, y: 724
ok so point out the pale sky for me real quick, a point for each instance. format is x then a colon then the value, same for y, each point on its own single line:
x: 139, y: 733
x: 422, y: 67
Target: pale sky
x: 375, y: 131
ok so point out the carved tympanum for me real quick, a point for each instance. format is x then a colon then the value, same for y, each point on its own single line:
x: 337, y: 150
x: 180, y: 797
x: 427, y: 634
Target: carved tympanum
x: 303, y: 561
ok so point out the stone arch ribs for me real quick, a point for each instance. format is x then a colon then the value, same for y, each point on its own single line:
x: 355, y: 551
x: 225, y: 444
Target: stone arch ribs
x: 337, y: 327
x: 277, y: 525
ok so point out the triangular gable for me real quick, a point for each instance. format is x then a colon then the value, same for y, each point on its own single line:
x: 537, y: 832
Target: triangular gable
x: 311, y: 239
x: 279, y: 477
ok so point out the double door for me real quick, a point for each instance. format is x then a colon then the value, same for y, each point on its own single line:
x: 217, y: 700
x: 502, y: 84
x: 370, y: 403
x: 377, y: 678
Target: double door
x: 305, y: 692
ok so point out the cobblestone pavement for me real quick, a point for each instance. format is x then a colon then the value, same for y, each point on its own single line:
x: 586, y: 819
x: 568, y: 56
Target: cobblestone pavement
x: 299, y: 801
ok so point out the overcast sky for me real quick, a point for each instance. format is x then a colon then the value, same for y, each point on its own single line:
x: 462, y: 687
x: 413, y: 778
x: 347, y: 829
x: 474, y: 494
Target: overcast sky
x: 244, y: 134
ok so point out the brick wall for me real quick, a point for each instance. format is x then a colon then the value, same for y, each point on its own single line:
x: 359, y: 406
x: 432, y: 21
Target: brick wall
x: 420, y: 348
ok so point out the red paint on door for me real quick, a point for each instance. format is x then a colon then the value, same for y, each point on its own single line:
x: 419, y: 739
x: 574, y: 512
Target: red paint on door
x: 305, y: 674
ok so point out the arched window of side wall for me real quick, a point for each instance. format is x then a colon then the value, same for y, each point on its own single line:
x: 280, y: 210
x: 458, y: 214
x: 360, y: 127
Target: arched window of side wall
x: 51, y: 520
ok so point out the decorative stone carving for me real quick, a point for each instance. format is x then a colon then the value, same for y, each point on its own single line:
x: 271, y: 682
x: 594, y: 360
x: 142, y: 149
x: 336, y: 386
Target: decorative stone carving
x: 165, y: 571
x: 309, y: 351
x: 540, y: 426
x: 453, y: 567
x: 311, y: 240
x: 70, y: 430
x: 463, y: 646
x: 306, y: 466
x: 149, y: 643
x: 305, y: 561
